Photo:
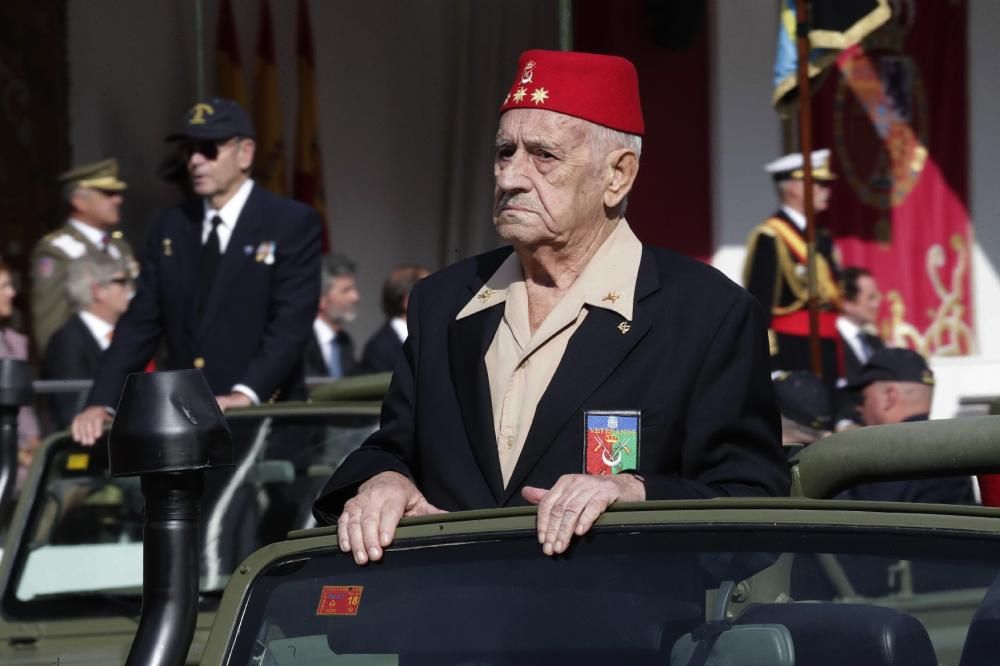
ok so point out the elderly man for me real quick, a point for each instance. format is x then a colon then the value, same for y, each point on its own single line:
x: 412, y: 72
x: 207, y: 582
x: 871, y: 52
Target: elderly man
x: 93, y: 198
x: 330, y: 352
x: 897, y: 386
x: 576, y: 367
x: 99, y: 289
x: 775, y: 268
x: 230, y: 279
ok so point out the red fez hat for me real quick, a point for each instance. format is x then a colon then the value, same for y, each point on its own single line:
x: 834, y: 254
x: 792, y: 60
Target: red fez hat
x: 600, y: 88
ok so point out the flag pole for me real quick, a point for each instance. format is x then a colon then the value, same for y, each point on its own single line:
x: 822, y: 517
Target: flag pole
x: 805, y: 141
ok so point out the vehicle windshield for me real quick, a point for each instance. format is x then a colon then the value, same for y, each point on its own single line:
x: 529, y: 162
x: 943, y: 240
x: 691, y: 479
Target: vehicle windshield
x: 635, y: 595
x: 82, y: 541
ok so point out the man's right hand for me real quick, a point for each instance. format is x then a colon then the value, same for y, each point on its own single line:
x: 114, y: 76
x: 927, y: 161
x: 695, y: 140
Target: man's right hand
x: 369, y: 519
x: 88, y: 425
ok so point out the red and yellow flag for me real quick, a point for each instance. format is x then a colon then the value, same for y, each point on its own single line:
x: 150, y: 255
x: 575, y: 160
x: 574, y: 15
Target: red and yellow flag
x: 269, y: 162
x: 227, y: 57
x: 308, y: 176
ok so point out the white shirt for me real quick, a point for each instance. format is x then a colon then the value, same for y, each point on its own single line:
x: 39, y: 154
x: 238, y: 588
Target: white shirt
x: 851, y: 333
x: 100, y: 329
x: 798, y: 218
x: 325, y: 336
x: 229, y: 213
x: 96, y: 237
x: 398, y: 324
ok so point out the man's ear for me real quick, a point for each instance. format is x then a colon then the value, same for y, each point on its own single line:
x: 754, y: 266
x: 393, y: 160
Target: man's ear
x: 623, y: 167
x: 247, y: 148
x: 891, y: 397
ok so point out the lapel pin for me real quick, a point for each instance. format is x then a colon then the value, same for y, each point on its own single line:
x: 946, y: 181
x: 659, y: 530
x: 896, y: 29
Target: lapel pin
x: 168, y: 249
x: 612, y: 296
x: 248, y: 249
x: 624, y: 327
x: 486, y: 294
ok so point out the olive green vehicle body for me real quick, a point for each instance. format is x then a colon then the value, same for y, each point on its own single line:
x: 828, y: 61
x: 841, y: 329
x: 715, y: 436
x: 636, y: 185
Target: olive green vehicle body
x: 890, y: 452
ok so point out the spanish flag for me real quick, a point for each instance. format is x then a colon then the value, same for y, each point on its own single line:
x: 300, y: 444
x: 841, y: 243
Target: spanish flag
x: 269, y: 163
x: 308, y: 178
x: 834, y: 25
x: 227, y: 57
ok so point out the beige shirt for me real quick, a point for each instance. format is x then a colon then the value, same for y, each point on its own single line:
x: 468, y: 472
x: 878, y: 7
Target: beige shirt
x: 520, y: 364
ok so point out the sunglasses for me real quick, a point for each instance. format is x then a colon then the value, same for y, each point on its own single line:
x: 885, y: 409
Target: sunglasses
x: 207, y: 149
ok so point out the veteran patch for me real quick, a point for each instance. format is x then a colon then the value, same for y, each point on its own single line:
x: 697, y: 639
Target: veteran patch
x: 611, y: 441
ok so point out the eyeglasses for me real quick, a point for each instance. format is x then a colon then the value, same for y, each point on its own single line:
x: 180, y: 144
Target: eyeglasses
x: 207, y: 149
x: 120, y: 281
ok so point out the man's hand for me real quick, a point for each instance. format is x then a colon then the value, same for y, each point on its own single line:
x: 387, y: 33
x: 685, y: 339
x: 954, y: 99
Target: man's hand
x: 573, y: 504
x: 368, y: 522
x: 88, y: 425
x: 234, y: 399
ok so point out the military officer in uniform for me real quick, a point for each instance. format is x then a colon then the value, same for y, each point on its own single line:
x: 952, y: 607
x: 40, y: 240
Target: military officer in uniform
x: 93, y: 197
x: 775, y: 269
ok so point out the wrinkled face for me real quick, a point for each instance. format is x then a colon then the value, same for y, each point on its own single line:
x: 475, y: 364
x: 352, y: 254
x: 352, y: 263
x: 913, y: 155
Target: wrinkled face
x: 115, y: 293
x: 217, y: 168
x: 548, y: 183
x: 7, y: 294
x: 101, y: 208
x: 864, y: 309
x: 339, y: 305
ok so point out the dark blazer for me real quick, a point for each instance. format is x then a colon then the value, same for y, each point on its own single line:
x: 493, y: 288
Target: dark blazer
x: 382, y: 350
x: 72, y: 353
x: 259, y: 312
x: 694, y: 361
x: 315, y: 363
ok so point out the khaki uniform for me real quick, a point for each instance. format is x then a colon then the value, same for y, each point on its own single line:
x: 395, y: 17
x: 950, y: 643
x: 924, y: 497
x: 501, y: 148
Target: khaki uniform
x: 50, y: 260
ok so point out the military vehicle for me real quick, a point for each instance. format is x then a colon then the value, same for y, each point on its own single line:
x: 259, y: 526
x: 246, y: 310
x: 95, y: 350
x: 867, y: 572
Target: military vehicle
x: 800, y: 580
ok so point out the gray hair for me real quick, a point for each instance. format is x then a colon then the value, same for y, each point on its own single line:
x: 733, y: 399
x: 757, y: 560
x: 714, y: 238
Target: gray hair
x: 334, y: 266
x: 87, y: 272
x: 603, y: 140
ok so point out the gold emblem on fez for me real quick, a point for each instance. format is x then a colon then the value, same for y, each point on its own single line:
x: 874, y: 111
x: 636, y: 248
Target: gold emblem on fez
x: 529, y: 72
x: 520, y: 93
x: 539, y: 95
x: 486, y: 294
x: 624, y: 327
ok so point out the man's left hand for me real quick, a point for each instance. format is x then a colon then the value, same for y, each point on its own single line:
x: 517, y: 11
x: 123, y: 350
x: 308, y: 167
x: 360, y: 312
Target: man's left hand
x: 234, y: 399
x: 575, y: 501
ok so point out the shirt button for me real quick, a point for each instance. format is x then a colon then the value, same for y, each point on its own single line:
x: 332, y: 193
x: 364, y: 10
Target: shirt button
x: 199, y: 362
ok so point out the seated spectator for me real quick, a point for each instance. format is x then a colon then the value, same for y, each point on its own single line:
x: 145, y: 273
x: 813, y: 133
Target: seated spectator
x: 897, y: 386
x: 14, y: 345
x: 806, y: 408
x: 99, y: 289
x: 385, y: 346
x: 330, y: 352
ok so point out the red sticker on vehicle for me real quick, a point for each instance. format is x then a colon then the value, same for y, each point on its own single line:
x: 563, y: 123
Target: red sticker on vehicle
x: 339, y: 600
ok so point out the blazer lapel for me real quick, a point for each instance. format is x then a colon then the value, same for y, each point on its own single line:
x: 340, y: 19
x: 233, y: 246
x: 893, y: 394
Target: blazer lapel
x: 596, y: 349
x: 234, y: 259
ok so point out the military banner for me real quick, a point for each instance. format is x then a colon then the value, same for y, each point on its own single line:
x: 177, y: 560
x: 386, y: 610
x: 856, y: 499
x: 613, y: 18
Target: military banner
x: 895, y: 112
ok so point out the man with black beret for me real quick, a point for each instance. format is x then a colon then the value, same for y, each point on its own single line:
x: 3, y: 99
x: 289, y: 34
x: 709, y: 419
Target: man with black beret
x: 897, y: 386
x: 229, y: 280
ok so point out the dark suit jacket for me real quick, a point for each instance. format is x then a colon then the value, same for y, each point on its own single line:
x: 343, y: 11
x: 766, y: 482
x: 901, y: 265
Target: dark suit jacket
x: 258, y: 316
x: 694, y: 361
x: 382, y: 350
x: 72, y: 353
x: 315, y: 363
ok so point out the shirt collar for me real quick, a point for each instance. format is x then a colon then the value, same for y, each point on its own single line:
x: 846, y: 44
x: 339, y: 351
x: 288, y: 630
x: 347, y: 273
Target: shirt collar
x: 230, y: 212
x: 98, y: 327
x: 848, y: 328
x: 398, y: 325
x: 797, y: 218
x: 92, y: 234
x: 324, y: 333
x: 608, y: 280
